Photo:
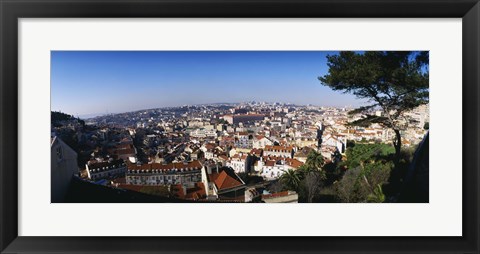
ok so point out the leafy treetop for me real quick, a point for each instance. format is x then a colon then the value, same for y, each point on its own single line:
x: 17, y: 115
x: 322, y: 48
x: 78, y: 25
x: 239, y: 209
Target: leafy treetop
x: 394, y: 81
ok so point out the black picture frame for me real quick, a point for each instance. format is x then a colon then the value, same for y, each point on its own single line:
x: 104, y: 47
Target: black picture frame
x: 12, y: 10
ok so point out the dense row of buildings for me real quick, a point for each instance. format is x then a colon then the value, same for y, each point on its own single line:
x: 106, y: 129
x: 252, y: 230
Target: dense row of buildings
x: 203, y: 153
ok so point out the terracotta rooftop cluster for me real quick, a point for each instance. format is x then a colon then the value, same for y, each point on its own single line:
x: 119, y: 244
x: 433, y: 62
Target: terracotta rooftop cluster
x: 283, y: 149
x: 223, y: 180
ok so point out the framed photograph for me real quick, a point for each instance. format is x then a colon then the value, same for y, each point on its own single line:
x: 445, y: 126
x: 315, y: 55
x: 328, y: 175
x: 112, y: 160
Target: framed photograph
x: 226, y: 126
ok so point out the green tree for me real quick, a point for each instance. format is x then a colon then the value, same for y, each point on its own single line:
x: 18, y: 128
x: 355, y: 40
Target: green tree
x: 426, y: 126
x: 307, y: 179
x: 392, y: 81
x: 312, y: 176
x: 312, y: 183
x: 377, y: 195
x: 314, y: 163
x: 314, y: 160
x: 363, y: 153
x: 345, y: 189
x: 291, y: 179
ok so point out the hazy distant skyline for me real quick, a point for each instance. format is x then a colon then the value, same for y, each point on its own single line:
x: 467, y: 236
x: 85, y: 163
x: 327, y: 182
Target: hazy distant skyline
x: 96, y: 82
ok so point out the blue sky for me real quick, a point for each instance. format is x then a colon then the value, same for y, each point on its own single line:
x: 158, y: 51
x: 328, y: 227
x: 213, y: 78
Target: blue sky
x: 97, y: 82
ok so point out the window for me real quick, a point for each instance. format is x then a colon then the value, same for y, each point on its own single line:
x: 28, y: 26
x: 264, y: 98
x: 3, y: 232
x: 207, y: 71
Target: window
x: 59, y: 153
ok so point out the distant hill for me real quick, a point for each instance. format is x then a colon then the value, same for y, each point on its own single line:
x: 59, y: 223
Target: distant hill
x: 57, y: 117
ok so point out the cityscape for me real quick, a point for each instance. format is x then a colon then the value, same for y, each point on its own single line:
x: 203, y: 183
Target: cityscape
x: 254, y: 151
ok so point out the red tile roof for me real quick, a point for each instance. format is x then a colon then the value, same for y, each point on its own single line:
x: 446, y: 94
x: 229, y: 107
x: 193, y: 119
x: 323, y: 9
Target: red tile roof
x: 270, y: 163
x: 293, y: 162
x: 223, y: 157
x: 239, y: 156
x: 101, y: 165
x: 210, y: 146
x: 124, y: 151
x: 224, y: 181
x: 196, y: 192
x: 177, y: 191
x: 120, y: 180
x: 271, y: 160
x: 256, y: 151
x: 279, y: 148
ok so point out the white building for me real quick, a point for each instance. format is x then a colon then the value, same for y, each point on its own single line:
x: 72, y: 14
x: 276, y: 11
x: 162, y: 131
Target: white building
x: 106, y: 170
x: 159, y: 174
x: 242, y: 140
x: 339, y: 143
x: 272, y: 168
x: 203, y: 133
x: 279, y: 151
x: 261, y: 142
x: 238, y: 163
x: 63, y: 168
